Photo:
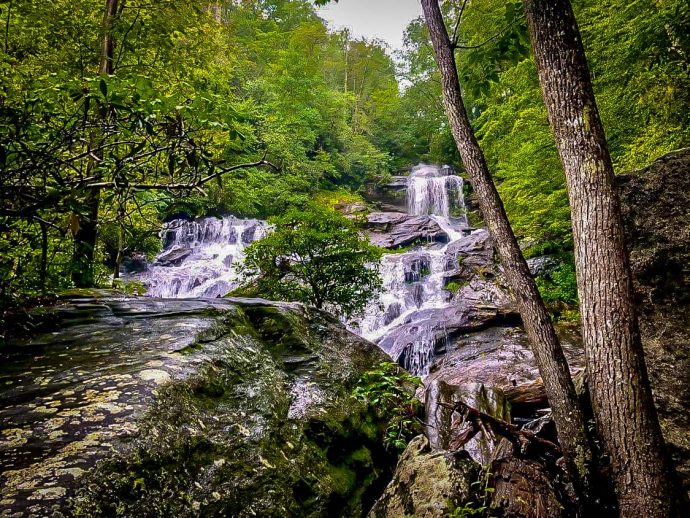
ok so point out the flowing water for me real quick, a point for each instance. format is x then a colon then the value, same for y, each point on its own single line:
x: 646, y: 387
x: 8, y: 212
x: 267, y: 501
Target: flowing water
x: 200, y: 259
x: 414, y: 281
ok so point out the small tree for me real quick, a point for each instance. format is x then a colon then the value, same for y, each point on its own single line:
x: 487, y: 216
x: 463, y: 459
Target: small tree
x: 315, y: 256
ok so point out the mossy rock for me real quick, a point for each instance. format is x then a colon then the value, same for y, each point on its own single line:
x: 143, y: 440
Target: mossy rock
x: 225, y: 407
x: 430, y: 483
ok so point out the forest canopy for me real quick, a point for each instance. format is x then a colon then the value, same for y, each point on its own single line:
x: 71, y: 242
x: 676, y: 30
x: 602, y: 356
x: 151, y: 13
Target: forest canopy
x: 190, y: 90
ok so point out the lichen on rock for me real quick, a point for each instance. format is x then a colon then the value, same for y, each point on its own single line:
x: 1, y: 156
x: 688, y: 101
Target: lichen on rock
x: 246, y: 413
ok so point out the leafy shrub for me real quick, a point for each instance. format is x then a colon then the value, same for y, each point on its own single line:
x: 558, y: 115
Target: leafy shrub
x: 315, y: 255
x: 561, y: 286
x: 390, y: 390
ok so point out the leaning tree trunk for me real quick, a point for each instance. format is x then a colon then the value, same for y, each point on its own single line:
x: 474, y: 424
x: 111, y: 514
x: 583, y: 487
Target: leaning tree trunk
x: 621, y: 396
x: 86, y: 236
x: 553, y: 366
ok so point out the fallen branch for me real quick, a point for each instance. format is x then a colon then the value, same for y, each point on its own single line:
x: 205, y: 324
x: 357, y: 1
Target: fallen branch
x: 178, y: 186
x: 481, y: 421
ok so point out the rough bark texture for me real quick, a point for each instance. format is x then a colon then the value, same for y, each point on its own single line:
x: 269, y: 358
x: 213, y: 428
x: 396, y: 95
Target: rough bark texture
x: 87, y: 233
x: 620, y: 392
x: 85, y: 241
x: 552, y: 364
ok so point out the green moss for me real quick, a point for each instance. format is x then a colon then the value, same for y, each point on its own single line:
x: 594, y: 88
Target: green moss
x: 221, y: 441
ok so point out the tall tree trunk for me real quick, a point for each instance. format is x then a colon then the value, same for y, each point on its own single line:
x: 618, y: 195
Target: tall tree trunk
x: 43, y: 271
x: 85, y: 241
x: 86, y: 236
x: 621, y: 396
x: 121, y: 238
x: 553, y: 366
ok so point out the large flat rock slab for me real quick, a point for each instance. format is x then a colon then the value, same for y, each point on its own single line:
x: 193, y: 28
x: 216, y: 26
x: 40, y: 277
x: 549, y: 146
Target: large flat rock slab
x: 187, y: 407
x: 395, y: 229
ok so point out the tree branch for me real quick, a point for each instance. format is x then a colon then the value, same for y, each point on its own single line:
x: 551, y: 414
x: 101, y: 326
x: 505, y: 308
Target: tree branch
x: 178, y: 186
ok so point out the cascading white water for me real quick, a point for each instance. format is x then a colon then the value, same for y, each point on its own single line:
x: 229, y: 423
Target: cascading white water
x: 414, y: 281
x: 435, y: 190
x: 199, y: 257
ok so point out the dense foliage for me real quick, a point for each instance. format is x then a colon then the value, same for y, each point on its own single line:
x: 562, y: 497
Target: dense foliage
x: 314, y: 255
x: 391, y: 391
x: 192, y: 90
x: 195, y: 88
x: 639, y: 55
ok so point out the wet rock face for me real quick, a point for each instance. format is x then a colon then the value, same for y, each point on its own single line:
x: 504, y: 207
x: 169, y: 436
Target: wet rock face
x: 173, y: 257
x: 446, y: 426
x: 427, y: 483
x: 656, y: 215
x: 441, y: 324
x: 394, y: 229
x: 219, y: 407
x: 391, y: 196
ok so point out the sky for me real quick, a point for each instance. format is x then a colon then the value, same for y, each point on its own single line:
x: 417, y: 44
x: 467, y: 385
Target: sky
x: 382, y: 19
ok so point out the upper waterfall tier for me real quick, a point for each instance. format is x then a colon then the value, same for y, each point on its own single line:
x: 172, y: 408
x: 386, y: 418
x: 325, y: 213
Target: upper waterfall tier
x: 433, y: 189
x: 414, y: 281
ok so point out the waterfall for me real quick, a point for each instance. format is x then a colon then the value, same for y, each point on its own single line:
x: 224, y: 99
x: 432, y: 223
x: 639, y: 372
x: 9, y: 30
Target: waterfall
x: 199, y: 258
x: 435, y: 190
x: 414, y: 281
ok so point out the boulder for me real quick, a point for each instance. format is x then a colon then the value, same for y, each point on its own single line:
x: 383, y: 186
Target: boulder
x: 384, y: 221
x: 427, y: 483
x: 225, y: 407
x: 173, y: 257
x: 249, y: 234
x: 476, y: 249
x: 656, y: 212
x: 393, y: 229
x: 542, y: 265
x: 472, y: 257
x: 500, y: 358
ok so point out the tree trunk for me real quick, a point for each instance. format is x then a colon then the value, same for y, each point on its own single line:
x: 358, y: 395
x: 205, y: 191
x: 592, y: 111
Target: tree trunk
x: 621, y: 396
x: 43, y: 272
x: 85, y: 241
x: 86, y: 236
x: 553, y: 366
x: 120, y: 254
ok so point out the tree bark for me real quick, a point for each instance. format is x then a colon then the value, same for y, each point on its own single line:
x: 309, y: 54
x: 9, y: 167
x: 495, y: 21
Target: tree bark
x: 619, y: 387
x: 87, y: 234
x: 553, y: 366
x: 85, y: 241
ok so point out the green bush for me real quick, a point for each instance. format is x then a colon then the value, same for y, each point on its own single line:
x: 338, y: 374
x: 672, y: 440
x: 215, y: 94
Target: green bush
x: 561, y: 286
x: 390, y: 390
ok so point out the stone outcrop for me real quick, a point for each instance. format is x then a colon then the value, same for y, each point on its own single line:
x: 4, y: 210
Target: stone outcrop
x: 391, y: 196
x: 427, y: 483
x: 395, y: 229
x: 656, y: 214
x: 173, y: 257
x: 446, y: 427
x: 236, y: 407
